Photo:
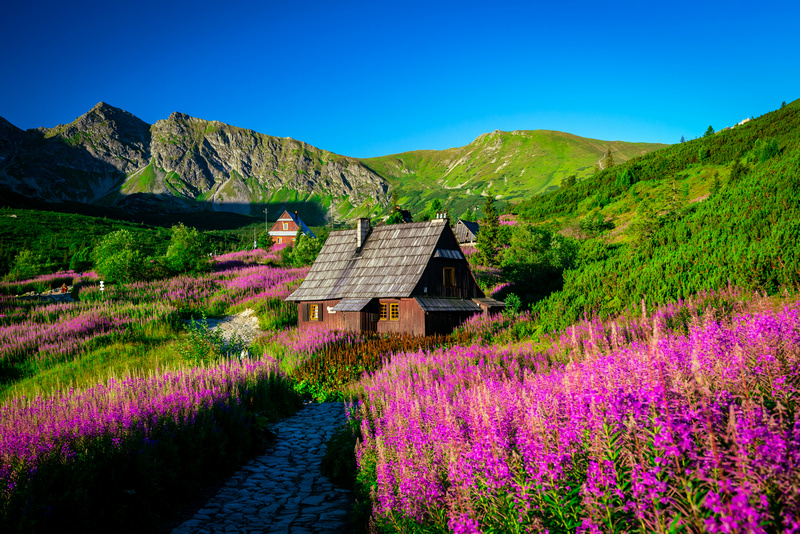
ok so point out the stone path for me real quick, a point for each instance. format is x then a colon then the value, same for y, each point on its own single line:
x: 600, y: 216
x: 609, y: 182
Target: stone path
x: 283, y: 490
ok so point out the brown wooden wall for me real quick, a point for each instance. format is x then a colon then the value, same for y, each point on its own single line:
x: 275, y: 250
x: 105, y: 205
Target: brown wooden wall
x: 433, y: 277
x: 411, y: 321
x: 334, y: 321
x: 363, y: 321
x: 278, y: 227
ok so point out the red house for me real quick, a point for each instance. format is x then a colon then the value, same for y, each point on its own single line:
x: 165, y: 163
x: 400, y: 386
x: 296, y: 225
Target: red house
x: 404, y: 278
x: 284, y: 231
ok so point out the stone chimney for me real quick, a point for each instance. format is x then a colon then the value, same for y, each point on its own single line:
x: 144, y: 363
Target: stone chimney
x: 362, y: 231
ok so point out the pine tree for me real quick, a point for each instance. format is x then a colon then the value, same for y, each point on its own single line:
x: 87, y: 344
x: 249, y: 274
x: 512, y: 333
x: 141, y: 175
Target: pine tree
x: 715, y: 185
x: 675, y: 202
x: 608, y: 160
x: 435, y: 208
x: 709, y: 132
x: 487, y: 245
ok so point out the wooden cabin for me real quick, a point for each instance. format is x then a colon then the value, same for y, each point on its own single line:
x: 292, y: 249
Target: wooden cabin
x: 467, y: 232
x: 403, y: 278
x: 284, y: 231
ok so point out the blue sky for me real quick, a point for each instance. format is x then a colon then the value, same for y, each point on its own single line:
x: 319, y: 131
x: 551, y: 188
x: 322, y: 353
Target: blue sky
x: 373, y: 78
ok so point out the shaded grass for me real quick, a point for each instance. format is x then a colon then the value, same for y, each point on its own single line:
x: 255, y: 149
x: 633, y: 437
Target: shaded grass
x: 157, y: 352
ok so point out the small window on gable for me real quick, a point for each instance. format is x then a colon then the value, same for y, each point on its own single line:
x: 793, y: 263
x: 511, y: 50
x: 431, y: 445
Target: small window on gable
x: 313, y: 312
x: 285, y: 226
x: 449, y: 276
x: 384, y: 311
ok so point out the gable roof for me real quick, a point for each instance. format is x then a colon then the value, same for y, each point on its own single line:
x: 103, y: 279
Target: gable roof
x: 466, y: 231
x: 294, y: 217
x: 390, y: 264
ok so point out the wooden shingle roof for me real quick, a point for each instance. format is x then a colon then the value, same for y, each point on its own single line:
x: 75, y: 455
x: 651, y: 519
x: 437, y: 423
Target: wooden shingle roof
x: 389, y: 265
x: 467, y: 231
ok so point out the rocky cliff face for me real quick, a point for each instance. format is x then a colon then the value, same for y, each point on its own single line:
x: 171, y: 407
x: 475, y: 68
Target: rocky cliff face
x: 110, y: 157
x: 80, y: 162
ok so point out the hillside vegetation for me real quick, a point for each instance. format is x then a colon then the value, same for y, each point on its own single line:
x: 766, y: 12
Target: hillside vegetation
x: 719, y: 210
x: 61, y: 241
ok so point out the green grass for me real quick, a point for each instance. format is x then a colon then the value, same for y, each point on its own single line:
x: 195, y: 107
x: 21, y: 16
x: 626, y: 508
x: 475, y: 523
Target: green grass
x: 147, y: 178
x: 709, y: 225
x: 154, y: 353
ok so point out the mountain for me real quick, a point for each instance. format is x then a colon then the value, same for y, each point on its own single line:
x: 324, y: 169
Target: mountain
x: 108, y: 157
x: 514, y: 165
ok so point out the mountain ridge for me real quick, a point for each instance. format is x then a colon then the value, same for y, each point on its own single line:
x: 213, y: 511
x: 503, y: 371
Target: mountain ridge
x: 110, y: 157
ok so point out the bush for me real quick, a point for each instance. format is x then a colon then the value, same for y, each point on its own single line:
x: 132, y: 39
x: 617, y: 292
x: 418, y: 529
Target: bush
x: 118, y: 259
x: 28, y: 265
x: 186, y: 251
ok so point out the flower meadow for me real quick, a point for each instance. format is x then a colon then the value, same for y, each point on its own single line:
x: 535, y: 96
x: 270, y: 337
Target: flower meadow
x: 683, y: 420
x: 126, y: 450
x: 91, y: 457
x: 327, y: 364
x: 678, y: 419
x: 34, y: 335
x: 46, y: 281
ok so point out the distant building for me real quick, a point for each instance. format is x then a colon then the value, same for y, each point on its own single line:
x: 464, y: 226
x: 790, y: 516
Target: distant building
x: 284, y: 231
x: 406, y: 278
x: 467, y: 232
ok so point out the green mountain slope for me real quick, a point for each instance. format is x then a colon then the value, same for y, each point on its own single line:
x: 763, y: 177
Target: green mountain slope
x: 722, y: 209
x: 515, y: 165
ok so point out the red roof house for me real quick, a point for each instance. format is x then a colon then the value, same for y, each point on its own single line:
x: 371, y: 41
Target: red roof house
x: 284, y: 231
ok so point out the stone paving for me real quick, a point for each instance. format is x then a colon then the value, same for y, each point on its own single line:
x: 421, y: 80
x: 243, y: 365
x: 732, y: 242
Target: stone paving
x: 283, y: 490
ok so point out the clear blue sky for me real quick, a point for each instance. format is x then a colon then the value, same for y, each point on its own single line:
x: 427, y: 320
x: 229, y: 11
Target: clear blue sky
x: 373, y: 78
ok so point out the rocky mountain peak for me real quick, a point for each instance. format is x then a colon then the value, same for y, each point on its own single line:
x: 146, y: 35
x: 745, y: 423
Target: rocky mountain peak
x: 177, y: 116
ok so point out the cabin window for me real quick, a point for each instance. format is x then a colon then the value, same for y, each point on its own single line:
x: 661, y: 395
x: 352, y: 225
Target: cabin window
x: 449, y: 276
x: 390, y: 311
x: 313, y: 312
x: 285, y: 226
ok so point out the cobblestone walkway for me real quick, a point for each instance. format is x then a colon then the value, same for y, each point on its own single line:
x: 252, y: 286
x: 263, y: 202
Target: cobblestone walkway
x: 283, y: 490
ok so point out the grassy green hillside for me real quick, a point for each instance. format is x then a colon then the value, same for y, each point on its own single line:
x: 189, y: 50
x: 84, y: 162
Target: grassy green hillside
x: 695, y: 216
x: 515, y: 165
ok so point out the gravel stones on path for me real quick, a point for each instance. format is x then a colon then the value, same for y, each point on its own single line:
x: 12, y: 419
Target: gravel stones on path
x: 243, y: 327
x: 283, y: 490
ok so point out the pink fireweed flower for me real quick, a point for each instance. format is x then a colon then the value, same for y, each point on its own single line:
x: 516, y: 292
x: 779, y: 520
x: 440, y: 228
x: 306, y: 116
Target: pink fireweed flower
x: 628, y: 413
